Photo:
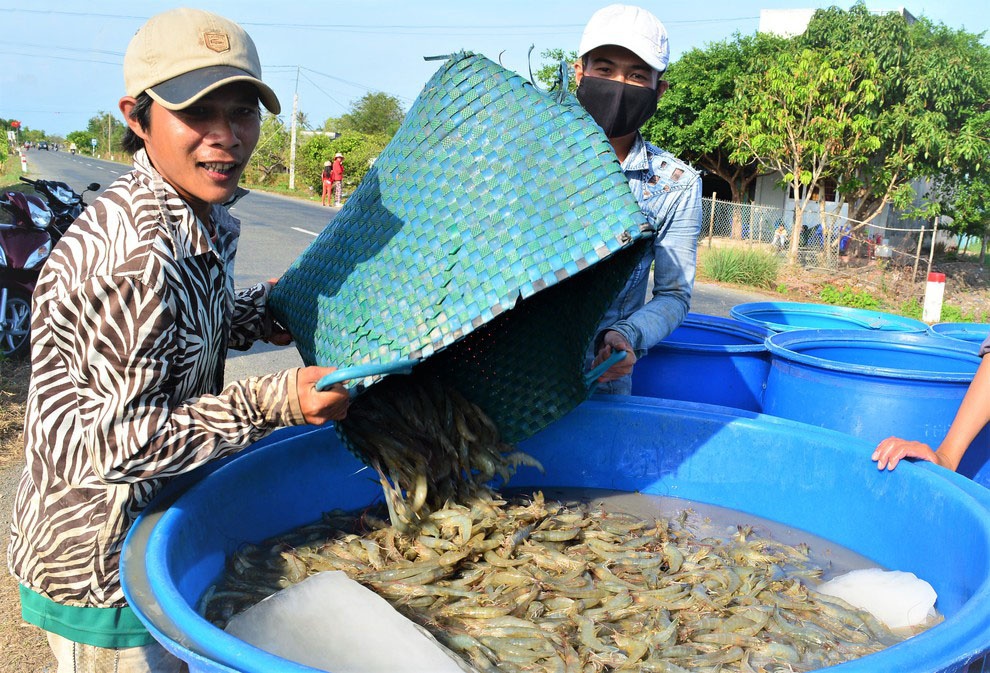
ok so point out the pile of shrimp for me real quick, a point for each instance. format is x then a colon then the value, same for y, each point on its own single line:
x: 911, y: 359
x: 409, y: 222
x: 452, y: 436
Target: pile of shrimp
x: 429, y: 445
x: 530, y: 585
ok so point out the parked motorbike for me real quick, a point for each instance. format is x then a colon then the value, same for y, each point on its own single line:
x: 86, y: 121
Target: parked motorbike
x: 25, y: 244
x: 66, y: 205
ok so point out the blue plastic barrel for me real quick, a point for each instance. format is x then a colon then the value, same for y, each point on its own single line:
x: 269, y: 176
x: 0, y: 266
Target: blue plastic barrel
x: 973, y: 332
x: 785, y: 316
x: 707, y: 359
x: 803, y: 477
x: 873, y: 385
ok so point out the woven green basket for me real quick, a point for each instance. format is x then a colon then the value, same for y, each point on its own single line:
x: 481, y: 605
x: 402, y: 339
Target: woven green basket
x: 485, y: 244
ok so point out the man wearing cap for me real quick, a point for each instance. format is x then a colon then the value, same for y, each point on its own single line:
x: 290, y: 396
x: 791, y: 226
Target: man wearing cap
x: 621, y: 60
x: 337, y: 177
x: 134, y: 313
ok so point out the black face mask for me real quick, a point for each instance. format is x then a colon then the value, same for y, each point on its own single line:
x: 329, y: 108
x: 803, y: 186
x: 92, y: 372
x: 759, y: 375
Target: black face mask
x: 618, y: 108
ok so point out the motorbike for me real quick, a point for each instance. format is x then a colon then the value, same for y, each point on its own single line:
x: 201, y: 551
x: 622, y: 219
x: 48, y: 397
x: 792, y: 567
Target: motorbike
x: 25, y: 244
x: 66, y: 205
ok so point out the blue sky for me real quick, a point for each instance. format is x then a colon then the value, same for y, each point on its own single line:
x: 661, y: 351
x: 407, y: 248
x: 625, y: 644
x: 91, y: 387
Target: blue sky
x: 60, y: 61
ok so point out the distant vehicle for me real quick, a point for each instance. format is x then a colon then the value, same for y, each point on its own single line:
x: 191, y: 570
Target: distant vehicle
x: 43, y: 145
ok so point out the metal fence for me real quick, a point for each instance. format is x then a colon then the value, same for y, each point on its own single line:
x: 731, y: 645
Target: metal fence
x: 825, y: 241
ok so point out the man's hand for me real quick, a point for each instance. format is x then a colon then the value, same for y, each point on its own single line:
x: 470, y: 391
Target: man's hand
x: 611, y: 342
x: 279, y: 336
x: 319, y: 407
x: 892, y: 450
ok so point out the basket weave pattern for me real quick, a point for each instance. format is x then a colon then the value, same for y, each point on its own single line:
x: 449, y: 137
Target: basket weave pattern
x: 491, y: 194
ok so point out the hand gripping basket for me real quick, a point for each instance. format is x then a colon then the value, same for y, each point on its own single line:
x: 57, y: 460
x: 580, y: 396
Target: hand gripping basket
x: 484, y: 245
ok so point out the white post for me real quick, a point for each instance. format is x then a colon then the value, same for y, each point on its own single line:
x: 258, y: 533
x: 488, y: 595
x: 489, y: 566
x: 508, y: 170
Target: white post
x: 934, y: 291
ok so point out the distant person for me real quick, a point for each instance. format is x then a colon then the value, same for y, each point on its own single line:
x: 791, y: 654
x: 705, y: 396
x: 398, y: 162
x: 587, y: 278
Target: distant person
x: 780, y: 237
x: 845, y: 234
x: 136, y: 310
x: 337, y: 177
x: 327, y: 183
x: 971, y: 418
x: 622, y: 58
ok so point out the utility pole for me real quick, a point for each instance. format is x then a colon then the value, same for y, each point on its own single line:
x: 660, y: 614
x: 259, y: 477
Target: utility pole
x: 292, y: 135
x: 109, y: 150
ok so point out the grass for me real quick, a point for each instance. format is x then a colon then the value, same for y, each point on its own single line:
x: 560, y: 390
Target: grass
x: 848, y: 297
x: 950, y: 313
x: 741, y: 266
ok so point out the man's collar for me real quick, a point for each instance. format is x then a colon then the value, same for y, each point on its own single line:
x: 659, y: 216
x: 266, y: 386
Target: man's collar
x: 637, y: 159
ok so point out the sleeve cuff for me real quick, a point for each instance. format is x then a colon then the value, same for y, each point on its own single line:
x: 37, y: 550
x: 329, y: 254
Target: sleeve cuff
x: 296, y: 416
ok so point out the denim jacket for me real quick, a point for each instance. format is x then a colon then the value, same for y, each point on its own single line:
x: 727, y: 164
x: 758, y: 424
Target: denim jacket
x: 669, y: 193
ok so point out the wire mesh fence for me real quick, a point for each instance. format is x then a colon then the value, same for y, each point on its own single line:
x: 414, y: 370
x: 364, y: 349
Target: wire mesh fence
x: 825, y: 239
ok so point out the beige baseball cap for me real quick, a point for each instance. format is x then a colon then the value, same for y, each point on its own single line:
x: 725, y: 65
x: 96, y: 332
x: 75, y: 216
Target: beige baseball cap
x: 183, y: 54
x: 631, y: 27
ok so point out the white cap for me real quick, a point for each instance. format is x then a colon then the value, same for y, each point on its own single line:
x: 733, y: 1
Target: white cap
x: 631, y: 27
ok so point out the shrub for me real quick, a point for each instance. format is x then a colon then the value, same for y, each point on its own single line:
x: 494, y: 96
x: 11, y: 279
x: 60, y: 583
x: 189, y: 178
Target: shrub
x: 913, y: 308
x: 359, y: 150
x: 848, y: 297
x: 741, y: 267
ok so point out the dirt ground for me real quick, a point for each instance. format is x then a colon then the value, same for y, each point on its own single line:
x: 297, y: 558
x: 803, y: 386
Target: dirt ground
x: 967, y: 284
x: 24, y: 649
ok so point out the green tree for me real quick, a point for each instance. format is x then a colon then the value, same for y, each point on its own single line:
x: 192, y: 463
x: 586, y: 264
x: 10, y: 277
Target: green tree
x: 374, y: 113
x: 970, y: 209
x: 108, y: 131
x: 549, y: 73
x: 964, y: 192
x: 801, y: 117
x: 271, y: 155
x: 82, y: 139
x: 359, y: 150
x: 931, y: 82
x: 4, y: 144
x: 699, y: 100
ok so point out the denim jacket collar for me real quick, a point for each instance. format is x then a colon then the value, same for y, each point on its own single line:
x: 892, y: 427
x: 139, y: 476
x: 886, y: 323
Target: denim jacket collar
x: 638, y: 158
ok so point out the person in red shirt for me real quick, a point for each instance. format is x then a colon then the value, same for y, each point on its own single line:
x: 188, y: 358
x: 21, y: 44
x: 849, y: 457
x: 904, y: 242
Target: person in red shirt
x: 327, y: 183
x: 337, y: 177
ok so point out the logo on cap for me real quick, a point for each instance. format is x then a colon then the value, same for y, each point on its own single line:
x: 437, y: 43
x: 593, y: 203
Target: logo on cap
x: 218, y: 42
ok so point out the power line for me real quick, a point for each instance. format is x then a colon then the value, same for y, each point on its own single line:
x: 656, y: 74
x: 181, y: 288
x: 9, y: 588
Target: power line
x: 59, y: 58
x: 348, y: 82
x: 51, y: 46
x: 488, y: 28
x: 306, y: 77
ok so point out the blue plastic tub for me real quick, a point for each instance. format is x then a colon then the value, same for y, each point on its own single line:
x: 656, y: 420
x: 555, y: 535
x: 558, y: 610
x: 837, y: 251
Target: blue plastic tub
x: 804, y: 477
x: 873, y: 385
x: 973, y: 332
x: 707, y: 359
x: 785, y: 316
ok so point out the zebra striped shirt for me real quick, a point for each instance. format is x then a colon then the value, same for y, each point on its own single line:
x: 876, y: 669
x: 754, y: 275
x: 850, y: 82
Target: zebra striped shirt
x: 133, y: 315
